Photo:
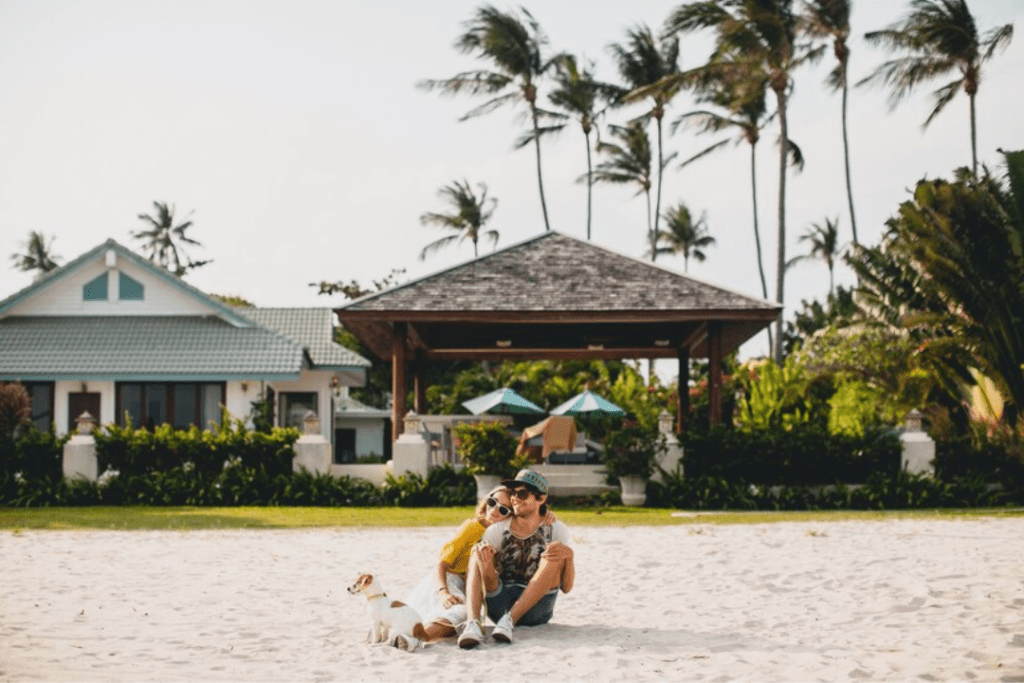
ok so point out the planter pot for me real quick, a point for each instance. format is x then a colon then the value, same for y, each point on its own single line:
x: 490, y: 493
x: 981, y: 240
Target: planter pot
x: 634, y: 490
x: 484, y: 483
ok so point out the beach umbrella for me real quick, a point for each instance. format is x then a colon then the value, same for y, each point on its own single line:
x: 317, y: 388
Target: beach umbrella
x: 502, y: 400
x: 588, y: 403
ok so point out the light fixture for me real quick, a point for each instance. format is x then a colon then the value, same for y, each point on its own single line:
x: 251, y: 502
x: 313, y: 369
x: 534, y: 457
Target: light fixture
x: 503, y: 343
x: 245, y: 386
x: 595, y: 347
x: 661, y: 342
x: 336, y: 386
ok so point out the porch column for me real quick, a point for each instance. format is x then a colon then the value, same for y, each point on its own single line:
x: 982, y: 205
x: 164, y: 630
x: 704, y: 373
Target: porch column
x: 420, y: 384
x: 398, y: 386
x: 683, y: 404
x: 715, y: 372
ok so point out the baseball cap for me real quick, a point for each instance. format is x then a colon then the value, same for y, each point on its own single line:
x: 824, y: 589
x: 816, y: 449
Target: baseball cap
x: 531, y: 479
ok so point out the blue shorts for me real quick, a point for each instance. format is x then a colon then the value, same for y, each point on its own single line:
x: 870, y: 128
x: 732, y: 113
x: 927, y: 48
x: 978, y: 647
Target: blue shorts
x: 501, y: 600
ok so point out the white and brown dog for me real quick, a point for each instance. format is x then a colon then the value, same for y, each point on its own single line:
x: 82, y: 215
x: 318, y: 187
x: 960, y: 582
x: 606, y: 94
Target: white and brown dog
x: 394, y: 622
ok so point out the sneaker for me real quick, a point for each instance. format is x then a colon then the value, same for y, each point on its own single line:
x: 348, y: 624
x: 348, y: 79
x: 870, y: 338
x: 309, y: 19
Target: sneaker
x: 502, y: 633
x: 471, y: 636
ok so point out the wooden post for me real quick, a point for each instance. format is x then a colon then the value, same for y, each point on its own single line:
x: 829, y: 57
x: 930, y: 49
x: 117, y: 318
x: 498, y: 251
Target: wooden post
x: 419, y: 384
x: 398, y: 387
x: 683, y: 404
x: 715, y: 372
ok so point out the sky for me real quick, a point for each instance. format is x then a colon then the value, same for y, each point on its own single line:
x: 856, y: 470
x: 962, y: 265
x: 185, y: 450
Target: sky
x: 294, y: 137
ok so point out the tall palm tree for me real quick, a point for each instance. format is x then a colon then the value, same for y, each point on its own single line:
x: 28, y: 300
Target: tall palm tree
x: 644, y: 64
x: 38, y: 255
x: 938, y: 37
x: 753, y: 36
x: 514, y: 47
x: 628, y: 163
x: 683, y: 235
x: 580, y: 96
x: 164, y: 240
x: 830, y: 19
x: 467, y: 219
x: 825, y: 246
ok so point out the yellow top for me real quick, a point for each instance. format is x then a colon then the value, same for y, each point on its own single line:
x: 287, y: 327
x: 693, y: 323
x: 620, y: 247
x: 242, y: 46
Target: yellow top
x: 456, y: 551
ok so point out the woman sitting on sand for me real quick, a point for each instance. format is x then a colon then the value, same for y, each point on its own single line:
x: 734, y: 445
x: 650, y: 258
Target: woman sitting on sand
x: 440, y: 598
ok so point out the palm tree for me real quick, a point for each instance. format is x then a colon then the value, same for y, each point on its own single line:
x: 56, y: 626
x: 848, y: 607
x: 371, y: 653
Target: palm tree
x: 514, y: 49
x: 644, y: 64
x: 824, y: 241
x: 467, y: 220
x: 163, y: 240
x: 38, y: 255
x: 628, y: 163
x: 683, y: 235
x: 578, y: 94
x: 938, y: 37
x: 754, y: 36
x: 830, y: 19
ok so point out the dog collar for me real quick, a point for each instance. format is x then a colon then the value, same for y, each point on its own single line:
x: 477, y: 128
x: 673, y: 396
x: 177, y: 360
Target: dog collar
x: 377, y: 596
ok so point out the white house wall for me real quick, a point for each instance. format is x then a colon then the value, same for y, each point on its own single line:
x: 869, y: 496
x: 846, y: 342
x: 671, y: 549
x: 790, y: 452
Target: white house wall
x: 369, y: 433
x: 64, y: 296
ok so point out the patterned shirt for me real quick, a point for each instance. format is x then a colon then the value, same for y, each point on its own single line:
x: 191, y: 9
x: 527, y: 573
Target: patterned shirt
x: 517, y: 558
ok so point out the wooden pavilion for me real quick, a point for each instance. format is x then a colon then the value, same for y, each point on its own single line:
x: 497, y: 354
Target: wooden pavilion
x: 554, y: 297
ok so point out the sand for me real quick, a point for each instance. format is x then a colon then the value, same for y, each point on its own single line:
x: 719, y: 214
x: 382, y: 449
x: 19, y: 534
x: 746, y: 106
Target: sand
x: 901, y: 600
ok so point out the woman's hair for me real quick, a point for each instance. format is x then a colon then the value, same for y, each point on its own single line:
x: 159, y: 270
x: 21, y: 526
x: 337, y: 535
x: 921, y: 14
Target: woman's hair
x: 481, y: 507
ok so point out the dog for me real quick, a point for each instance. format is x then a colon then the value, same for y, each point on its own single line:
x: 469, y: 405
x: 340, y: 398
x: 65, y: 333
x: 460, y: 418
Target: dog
x: 394, y: 622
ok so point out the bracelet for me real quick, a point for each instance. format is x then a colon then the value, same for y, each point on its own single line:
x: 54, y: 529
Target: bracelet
x: 442, y: 589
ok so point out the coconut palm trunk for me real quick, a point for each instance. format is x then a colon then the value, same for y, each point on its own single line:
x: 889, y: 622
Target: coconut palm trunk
x: 780, y: 264
x: 657, y: 202
x: 540, y: 178
x: 846, y: 159
x: 590, y: 182
x: 757, y: 230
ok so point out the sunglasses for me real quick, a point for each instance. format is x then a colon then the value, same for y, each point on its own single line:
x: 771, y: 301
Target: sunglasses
x: 522, y: 493
x: 503, y: 510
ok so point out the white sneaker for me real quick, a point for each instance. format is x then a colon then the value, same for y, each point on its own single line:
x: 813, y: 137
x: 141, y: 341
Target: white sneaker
x: 502, y: 633
x: 471, y: 636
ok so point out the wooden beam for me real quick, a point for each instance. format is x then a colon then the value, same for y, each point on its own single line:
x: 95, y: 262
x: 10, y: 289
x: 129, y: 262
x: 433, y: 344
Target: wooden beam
x: 398, y: 382
x: 549, y: 354
x: 683, y: 402
x: 715, y: 372
x: 420, y: 384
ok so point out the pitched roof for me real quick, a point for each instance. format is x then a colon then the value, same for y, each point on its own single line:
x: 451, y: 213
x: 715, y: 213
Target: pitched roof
x: 555, y: 272
x: 143, y: 348
x: 311, y: 327
x: 222, y: 309
x: 554, y: 296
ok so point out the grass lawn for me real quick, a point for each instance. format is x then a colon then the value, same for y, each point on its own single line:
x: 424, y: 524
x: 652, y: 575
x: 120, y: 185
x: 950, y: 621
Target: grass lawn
x: 195, y: 518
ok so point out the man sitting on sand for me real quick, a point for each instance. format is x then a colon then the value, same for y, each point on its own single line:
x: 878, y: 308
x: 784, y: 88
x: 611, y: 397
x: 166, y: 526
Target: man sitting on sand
x: 521, y: 563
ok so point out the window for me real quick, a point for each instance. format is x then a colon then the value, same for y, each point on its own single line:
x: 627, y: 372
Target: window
x: 294, y: 406
x: 41, y: 397
x: 95, y: 290
x: 129, y: 289
x: 182, y: 404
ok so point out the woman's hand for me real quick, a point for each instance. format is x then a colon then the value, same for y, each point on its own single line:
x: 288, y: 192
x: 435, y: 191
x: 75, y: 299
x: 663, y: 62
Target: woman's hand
x: 449, y: 600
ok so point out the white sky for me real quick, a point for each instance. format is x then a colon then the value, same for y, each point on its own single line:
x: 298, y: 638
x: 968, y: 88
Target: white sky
x: 295, y: 133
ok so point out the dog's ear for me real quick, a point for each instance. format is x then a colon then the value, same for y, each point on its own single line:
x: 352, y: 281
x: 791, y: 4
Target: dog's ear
x: 364, y: 580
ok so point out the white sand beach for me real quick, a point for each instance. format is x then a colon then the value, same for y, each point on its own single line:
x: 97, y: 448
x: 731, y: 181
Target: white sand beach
x: 901, y: 600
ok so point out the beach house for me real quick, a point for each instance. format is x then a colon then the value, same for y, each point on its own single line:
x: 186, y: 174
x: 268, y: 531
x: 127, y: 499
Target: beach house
x: 119, y: 337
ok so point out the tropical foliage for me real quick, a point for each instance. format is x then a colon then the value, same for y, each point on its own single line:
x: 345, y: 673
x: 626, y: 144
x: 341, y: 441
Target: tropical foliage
x: 467, y: 219
x: 937, y: 38
x: 165, y: 242
x: 38, y: 254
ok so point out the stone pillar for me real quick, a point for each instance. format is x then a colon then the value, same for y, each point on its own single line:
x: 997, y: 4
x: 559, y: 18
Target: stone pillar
x: 411, y: 451
x: 673, y: 457
x: 918, y: 455
x: 80, y: 451
x: 312, y: 450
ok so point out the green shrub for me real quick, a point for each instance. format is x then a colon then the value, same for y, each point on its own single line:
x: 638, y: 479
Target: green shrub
x: 632, y: 451
x: 487, y: 448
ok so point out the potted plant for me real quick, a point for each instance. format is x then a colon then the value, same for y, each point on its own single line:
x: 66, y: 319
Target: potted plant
x: 488, y: 451
x: 631, y: 454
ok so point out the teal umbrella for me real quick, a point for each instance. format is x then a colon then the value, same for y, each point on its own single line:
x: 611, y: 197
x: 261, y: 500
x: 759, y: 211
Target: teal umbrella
x: 588, y: 403
x: 503, y: 400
